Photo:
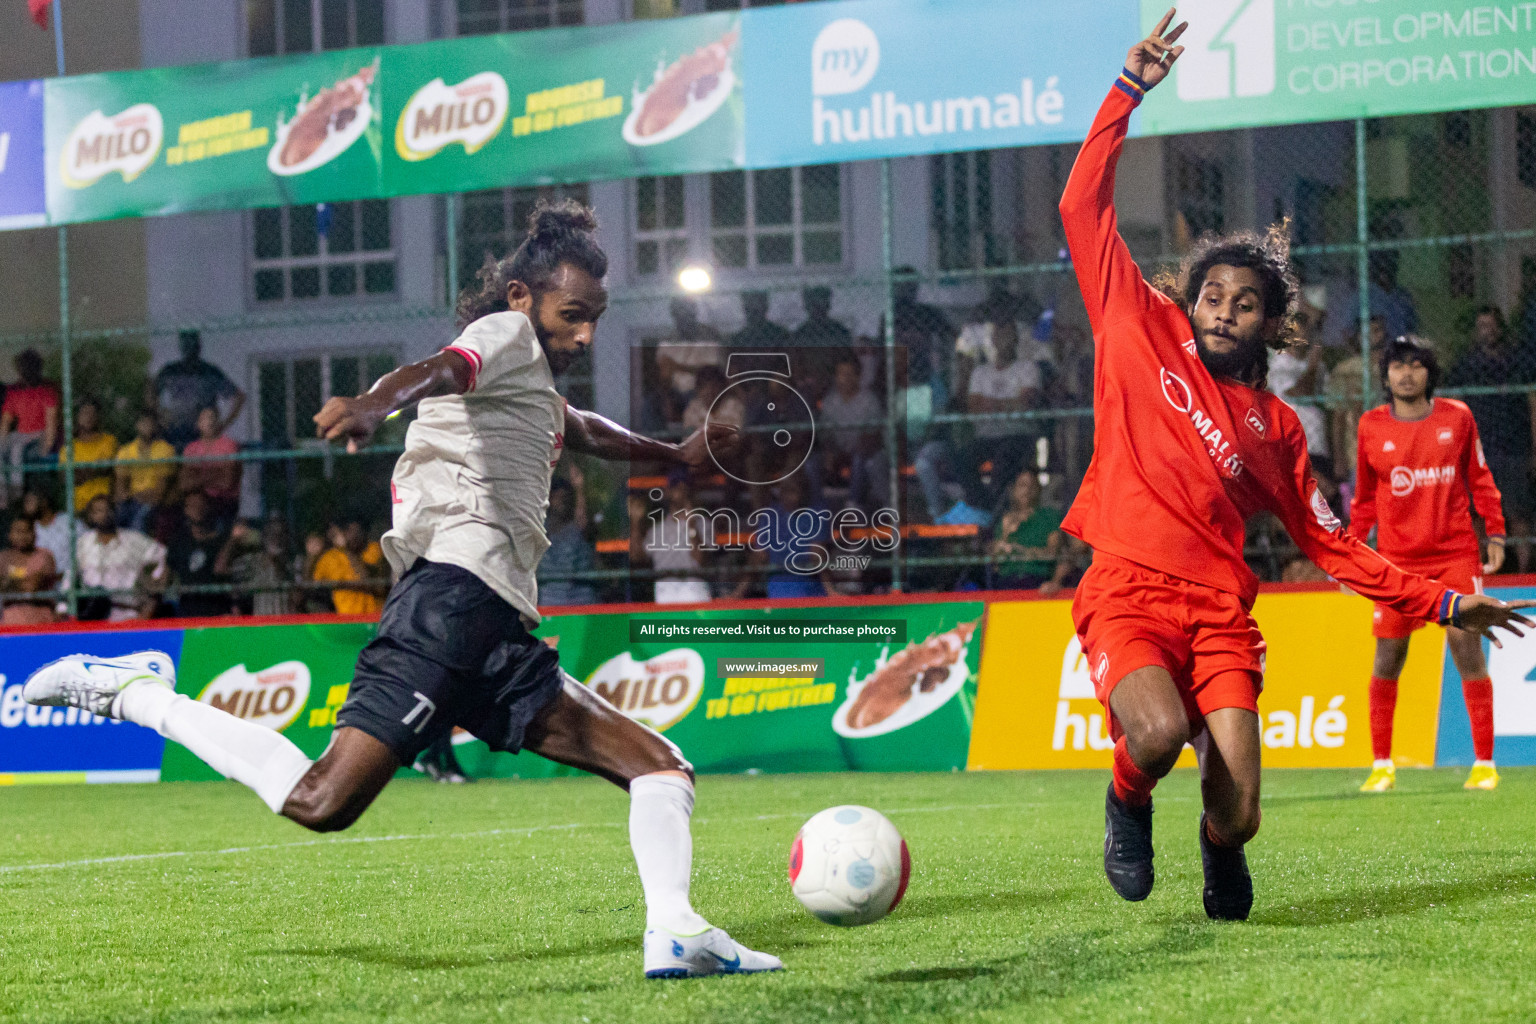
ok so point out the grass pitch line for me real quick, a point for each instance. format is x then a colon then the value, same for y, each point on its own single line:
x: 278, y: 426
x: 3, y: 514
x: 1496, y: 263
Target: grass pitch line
x: 127, y: 858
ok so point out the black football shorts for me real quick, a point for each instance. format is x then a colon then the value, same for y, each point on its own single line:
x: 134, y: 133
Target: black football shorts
x: 449, y: 651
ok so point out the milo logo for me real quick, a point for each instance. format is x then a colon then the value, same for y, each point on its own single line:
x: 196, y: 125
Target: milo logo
x: 659, y: 691
x: 127, y: 143
x: 272, y: 697
x: 470, y: 113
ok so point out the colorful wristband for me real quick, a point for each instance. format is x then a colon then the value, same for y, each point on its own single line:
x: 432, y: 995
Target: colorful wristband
x: 1450, y: 609
x: 1130, y: 84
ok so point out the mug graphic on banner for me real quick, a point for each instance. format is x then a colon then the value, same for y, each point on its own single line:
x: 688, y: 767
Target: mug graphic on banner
x: 325, y: 125
x: 908, y: 686
x: 683, y: 94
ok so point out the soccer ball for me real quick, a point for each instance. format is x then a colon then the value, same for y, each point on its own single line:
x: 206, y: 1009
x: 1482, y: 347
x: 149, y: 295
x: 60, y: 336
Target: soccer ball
x: 848, y: 865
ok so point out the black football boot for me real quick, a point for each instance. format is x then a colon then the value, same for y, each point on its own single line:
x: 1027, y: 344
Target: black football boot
x: 1128, y: 847
x: 1228, y: 892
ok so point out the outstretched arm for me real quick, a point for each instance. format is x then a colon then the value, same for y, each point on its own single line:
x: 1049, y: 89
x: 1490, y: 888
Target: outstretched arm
x: 1110, y: 281
x: 590, y: 434
x: 447, y: 373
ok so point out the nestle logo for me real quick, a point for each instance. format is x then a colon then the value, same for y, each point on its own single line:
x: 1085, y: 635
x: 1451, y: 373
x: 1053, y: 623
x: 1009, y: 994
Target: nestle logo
x: 1255, y: 422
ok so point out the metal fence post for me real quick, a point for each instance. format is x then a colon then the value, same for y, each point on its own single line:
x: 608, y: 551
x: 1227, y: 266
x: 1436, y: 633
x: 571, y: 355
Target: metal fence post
x: 1363, y: 266
x: 66, y: 382
x: 451, y: 240
x: 893, y: 407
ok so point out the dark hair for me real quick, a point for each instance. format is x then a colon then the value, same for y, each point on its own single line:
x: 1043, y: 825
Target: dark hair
x: 1493, y: 311
x: 29, y: 363
x: 1409, y: 349
x: 1267, y: 254
x: 560, y: 231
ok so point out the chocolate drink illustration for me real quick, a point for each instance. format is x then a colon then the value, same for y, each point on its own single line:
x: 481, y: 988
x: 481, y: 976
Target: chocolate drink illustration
x: 330, y: 110
x: 916, y: 668
x: 689, y: 78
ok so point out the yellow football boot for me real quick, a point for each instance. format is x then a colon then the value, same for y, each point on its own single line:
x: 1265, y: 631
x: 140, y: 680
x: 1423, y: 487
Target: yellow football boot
x: 1484, y: 776
x: 1383, y: 777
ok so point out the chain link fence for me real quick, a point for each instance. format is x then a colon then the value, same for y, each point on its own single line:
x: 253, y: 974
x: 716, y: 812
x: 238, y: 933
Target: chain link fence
x: 925, y: 308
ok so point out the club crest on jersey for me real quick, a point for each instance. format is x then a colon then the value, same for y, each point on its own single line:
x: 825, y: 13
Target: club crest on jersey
x: 1325, y: 517
x: 1389, y: 447
x: 1405, y: 480
x: 1255, y: 422
x: 1447, y: 435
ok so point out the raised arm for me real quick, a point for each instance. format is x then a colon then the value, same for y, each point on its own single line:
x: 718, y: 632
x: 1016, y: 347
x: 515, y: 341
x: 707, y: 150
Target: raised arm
x: 590, y: 434
x: 447, y: 373
x: 1110, y: 281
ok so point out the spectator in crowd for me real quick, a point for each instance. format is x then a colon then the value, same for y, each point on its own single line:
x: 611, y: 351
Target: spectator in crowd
x: 793, y: 533
x: 25, y: 569
x: 1345, y: 388
x: 691, y: 345
x: 184, y: 388
x: 313, y: 600
x: 1389, y: 300
x: 674, y: 543
x: 570, y: 549
x: 818, y: 344
x: 969, y: 509
x: 29, y: 420
x: 759, y: 332
x: 848, y: 430
x: 710, y: 384
x: 192, y: 556
x: 1029, y: 541
x: 51, y: 529
x: 1004, y: 383
x: 259, y: 562
x: 1504, y: 421
x: 1298, y: 372
x: 92, y: 444
x: 142, y: 490
x: 352, y: 558
x: 218, y: 481
x: 121, y: 560
x: 924, y: 332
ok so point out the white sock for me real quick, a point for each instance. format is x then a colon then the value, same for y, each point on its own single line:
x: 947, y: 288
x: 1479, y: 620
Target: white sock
x: 1387, y: 763
x: 251, y: 754
x: 659, y: 809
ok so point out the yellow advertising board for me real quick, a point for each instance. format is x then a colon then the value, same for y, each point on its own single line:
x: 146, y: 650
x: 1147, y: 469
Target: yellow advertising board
x: 1035, y: 706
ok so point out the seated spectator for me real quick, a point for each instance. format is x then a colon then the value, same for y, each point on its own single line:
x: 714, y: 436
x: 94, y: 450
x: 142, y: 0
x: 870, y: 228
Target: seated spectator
x: 184, y: 388
x: 786, y: 541
x: 218, y: 481
x: 849, y: 434
x: 25, y: 568
x: 819, y: 343
x: 1004, y: 383
x: 691, y: 345
x: 674, y: 543
x: 141, y: 490
x: 1029, y: 537
x: 1298, y: 371
x: 121, y: 560
x: 968, y: 509
x: 92, y: 444
x: 709, y: 384
x: 925, y: 332
x: 759, y: 332
x: 51, y: 528
x: 313, y: 600
x: 570, y: 549
x: 1344, y: 389
x: 192, y: 556
x: 29, y: 421
x: 259, y: 562
x: 353, y: 559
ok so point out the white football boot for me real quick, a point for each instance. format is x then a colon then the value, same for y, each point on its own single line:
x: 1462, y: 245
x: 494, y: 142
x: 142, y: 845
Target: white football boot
x: 668, y: 955
x: 85, y: 681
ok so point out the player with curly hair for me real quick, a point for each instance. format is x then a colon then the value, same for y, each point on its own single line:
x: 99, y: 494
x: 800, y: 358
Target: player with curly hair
x: 1187, y: 446
x: 454, y: 646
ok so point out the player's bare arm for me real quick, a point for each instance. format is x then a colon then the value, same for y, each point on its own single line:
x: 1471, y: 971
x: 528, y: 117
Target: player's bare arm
x: 1153, y: 57
x: 588, y: 433
x: 356, y: 419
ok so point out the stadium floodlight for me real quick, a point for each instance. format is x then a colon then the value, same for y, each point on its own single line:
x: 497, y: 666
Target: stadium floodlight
x: 695, y: 279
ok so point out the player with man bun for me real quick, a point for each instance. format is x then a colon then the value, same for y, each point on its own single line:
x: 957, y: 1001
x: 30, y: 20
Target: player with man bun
x: 1188, y: 446
x: 1420, y: 461
x: 453, y: 645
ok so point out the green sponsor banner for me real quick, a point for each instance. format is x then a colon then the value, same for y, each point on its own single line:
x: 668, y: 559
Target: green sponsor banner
x: 481, y: 112
x: 874, y: 706
x: 288, y: 678
x: 1267, y: 62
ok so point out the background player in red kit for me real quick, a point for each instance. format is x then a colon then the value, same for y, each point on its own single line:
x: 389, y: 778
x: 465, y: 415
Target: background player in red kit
x: 1187, y: 446
x: 1419, y: 458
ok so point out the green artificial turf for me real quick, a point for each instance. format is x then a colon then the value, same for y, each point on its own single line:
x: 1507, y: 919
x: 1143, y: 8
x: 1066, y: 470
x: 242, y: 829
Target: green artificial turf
x: 1415, y: 905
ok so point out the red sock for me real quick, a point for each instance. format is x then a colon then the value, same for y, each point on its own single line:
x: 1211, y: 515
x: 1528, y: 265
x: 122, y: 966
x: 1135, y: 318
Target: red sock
x: 1383, y: 705
x: 1478, y: 694
x: 1132, y: 785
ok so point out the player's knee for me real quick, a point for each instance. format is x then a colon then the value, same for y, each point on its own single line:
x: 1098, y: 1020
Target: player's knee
x: 1156, y: 742
x: 320, y: 808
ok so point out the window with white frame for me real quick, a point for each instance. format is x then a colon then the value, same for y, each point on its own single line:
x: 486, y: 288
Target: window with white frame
x: 962, y: 211
x: 290, y: 389
x: 275, y: 27
x: 480, y: 17
x: 661, y: 225
x: 495, y: 222
x: 339, y: 250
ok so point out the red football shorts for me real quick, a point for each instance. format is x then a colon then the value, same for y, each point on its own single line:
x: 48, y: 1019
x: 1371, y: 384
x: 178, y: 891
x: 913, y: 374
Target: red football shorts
x: 1129, y: 617
x: 1462, y: 577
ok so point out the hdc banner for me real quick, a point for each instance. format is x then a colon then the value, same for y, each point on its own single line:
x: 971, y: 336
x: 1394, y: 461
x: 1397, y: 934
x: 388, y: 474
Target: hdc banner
x: 22, y: 198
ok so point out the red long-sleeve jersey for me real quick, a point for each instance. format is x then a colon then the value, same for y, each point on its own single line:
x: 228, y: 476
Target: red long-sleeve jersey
x: 1414, y: 480
x: 1182, y: 459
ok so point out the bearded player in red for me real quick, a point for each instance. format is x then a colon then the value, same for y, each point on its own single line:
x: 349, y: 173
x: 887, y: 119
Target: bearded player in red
x: 1419, y: 461
x: 1187, y: 446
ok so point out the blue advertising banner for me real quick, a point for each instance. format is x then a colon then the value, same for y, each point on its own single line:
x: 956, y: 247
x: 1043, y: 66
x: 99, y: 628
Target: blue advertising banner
x: 23, y: 198
x: 64, y: 744
x: 872, y: 78
x: 1513, y: 671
